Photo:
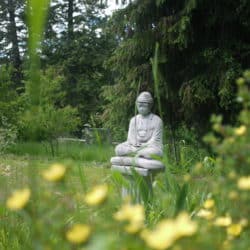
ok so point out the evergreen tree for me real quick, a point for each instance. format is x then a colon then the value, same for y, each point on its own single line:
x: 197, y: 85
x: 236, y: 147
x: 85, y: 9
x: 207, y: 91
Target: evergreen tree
x: 79, y: 49
x: 203, y: 46
x: 12, y: 35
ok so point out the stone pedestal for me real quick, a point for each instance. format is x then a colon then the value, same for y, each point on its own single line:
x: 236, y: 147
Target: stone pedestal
x: 139, y: 182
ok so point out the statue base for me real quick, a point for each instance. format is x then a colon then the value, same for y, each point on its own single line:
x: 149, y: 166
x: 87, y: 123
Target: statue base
x: 139, y: 180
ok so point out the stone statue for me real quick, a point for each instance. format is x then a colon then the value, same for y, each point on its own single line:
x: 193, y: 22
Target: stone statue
x: 144, y: 142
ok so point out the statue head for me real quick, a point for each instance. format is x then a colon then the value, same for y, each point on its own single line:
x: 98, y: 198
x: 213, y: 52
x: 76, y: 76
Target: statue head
x: 144, y: 103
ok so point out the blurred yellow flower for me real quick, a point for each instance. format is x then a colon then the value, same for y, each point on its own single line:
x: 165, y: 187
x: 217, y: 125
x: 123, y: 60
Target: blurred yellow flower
x: 78, y: 233
x: 206, y: 214
x: 240, y: 130
x: 134, y: 227
x: 223, y: 221
x: 168, y: 231
x: 54, y: 173
x: 184, y: 225
x: 244, y: 222
x: 134, y: 215
x: 209, y: 203
x: 240, y: 81
x: 18, y: 199
x: 97, y: 195
x: 233, y: 195
x: 234, y: 230
x: 187, y: 177
x: 232, y: 175
x: 244, y: 183
x: 161, y: 237
x: 230, y: 140
x: 198, y: 166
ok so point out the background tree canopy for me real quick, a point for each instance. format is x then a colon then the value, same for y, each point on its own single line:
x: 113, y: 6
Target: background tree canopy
x: 203, y: 46
x: 102, y: 62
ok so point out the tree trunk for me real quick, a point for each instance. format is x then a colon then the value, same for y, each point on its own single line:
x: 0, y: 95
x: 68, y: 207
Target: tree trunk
x: 15, y: 53
x: 70, y: 18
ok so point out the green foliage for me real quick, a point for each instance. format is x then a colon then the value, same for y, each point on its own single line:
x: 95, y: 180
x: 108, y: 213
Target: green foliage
x: 48, y: 123
x: 8, y: 134
x: 195, y: 69
x: 76, y: 151
x: 228, y: 140
x: 9, y: 101
x: 51, y: 118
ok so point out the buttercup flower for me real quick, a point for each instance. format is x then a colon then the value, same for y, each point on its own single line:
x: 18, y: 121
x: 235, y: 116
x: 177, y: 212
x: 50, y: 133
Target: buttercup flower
x: 54, y: 173
x: 232, y: 175
x: 234, y: 230
x: 18, y: 199
x: 168, y: 231
x: 244, y: 222
x: 134, y: 215
x: 78, y: 233
x: 161, y: 237
x: 206, y: 214
x: 134, y: 227
x: 233, y: 195
x: 223, y: 221
x: 97, y: 195
x: 187, y: 177
x: 244, y: 183
x: 209, y: 203
x: 240, y: 130
x: 240, y: 81
x: 184, y: 226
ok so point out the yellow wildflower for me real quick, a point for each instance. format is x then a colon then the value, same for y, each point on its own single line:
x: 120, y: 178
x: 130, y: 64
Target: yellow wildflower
x: 184, y: 226
x: 240, y: 81
x: 161, y: 238
x: 134, y: 215
x: 130, y: 212
x: 134, y: 227
x: 209, y: 203
x: 232, y: 175
x: 243, y: 222
x: 198, y: 167
x: 18, y: 199
x: 168, y: 231
x: 54, y: 173
x: 78, y: 233
x: 244, y: 183
x: 97, y: 195
x: 230, y: 140
x: 240, y: 130
x: 233, y: 195
x: 234, y: 230
x: 187, y: 177
x: 223, y: 221
x: 206, y: 214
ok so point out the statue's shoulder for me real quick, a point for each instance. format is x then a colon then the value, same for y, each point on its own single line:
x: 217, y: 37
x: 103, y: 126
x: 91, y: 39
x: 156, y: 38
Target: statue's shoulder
x: 132, y: 120
x: 156, y: 118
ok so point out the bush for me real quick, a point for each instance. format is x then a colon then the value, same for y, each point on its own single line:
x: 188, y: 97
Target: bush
x: 8, y: 134
x: 51, y: 118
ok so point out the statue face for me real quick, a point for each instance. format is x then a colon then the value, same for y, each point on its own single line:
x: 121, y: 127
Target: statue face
x: 143, y: 108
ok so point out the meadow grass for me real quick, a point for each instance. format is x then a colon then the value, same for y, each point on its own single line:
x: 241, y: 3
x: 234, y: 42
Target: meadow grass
x: 65, y: 149
x: 54, y: 207
x: 62, y: 203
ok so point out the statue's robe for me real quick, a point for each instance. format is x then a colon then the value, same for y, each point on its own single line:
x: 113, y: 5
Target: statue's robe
x: 144, y: 137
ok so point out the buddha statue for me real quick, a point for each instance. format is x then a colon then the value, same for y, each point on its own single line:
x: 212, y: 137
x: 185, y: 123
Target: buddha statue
x: 143, y: 146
